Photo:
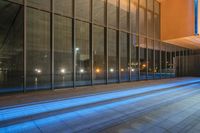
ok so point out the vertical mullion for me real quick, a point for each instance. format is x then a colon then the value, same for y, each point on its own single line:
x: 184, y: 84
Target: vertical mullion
x: 118, y: 41
x: 138, y: 39
x: 25, y: 37
x: 147, y: 48
x: 129, y: 38
x: 52, y: 43
x: 154, y: 52
x: 106, y: 40
x: 74, y: 43
x: 160, y: 47
x: 91, y: 41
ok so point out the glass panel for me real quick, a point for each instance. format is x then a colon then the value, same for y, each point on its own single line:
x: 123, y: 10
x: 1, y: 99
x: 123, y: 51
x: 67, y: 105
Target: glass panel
x: 143, y: 58
x: 38, y: 49
x: 112, y: 12
x: 150, y: 5
x: 41, y: 4
x: 98, y: 55
x: 134, y: 16
x: 181, y: 62
x: 168, y: 62
x: 173, y: 74
x: 163, y: 60
x: 142, y: 17
x: 82, y: 52
x: 157, y: 60
x: 63, y: 55
x: 63, y: 7
x: 112, y: 56
x: 134, y: 58
x: 150, y: 24
x: 17, y: 1
x: 124, y: 11
x: 177, y: 61
x: 99, y: 11
x: 83, y: 9
x: 150, y: 59
x: 11, y: 47
x: 124, y: 57
x: 157, y: 26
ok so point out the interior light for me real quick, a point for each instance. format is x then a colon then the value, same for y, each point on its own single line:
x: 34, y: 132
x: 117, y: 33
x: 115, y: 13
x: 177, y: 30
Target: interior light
x: 62, y: 71
x: 77, y: 49
x: 38, y: 71
x: 144, y: 65
x: 98, y: 70
x: 81, y: 70
x: 133, y: 70
x: 111, y: 70
x: 122, y: 70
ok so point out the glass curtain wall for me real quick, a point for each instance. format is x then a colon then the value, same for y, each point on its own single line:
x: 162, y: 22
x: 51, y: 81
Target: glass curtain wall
x: 83, y: 42
x: 150, y: 63
x: 124, y: 60
x: 38, y: 57
x: 99, y: 64
x: 157, y: 67
x: 143, y: 58
x: 163, y: 60
x: 11, y: 46
x: 134, y: 58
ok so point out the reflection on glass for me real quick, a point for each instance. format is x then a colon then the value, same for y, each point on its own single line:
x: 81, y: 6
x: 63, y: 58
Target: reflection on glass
x: 112, y: 56
x: 157, y: 60
x: 173, y: 73
x: 124, y: 70
x: 142, y: 18
x: 38, y: 50
x: 98, y: 55
x: 134, y: 58
x: 168, y: 62
x: 99, y: 11
x: 112, y: 13
x: 163, y: 60
x: 63, y: 7
x: 41, y: 4
x: 124, y: 9
x: 150, y: 63
x: 134, y: 16
x: 11, y: 47
x: 82, y: 52
x: 157, y: 27
x: 143, y: 58
x: 63, y: 55
x: 83, y: 9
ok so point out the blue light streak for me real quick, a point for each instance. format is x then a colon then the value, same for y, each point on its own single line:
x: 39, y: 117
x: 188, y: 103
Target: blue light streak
x: 27, y: 110
x: 28, y: 126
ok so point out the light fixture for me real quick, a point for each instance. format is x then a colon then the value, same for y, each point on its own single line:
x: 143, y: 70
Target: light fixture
x: 122, y: 70
x: 111, y: 70
x: 77, y: 49
x: 81, y: 70
x: 38, y: 71
x: 98, y: 70
x: 63, y: 71
x: 144, y: 65
x: 133, y: 70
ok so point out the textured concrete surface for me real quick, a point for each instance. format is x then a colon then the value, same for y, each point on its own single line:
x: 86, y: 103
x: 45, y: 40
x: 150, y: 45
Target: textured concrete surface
x: 157, y: 106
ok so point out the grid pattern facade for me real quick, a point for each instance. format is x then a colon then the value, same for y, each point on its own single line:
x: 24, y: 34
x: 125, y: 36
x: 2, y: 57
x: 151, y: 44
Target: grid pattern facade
x: 49, y: 44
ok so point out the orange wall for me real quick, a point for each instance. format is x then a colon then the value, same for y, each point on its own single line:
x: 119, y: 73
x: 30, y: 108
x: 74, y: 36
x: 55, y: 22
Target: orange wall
x: 177, y: 19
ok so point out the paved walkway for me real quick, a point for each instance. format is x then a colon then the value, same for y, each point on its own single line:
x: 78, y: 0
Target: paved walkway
x: 157, y: 106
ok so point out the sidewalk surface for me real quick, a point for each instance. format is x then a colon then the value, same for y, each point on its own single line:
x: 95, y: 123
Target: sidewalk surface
x: 169, y: 105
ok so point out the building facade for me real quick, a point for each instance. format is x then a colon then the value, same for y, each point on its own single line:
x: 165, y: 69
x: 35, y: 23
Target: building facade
x: 51, y: 44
